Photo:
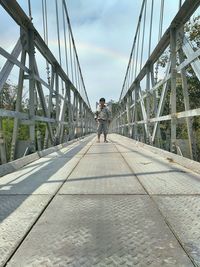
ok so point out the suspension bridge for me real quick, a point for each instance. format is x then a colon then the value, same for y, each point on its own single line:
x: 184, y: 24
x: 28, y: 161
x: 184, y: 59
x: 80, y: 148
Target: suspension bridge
x: 66, y: 200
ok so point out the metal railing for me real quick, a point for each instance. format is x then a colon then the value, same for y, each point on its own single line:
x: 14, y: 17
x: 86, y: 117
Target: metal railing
x: 148, y: 103
x: 56, y: 102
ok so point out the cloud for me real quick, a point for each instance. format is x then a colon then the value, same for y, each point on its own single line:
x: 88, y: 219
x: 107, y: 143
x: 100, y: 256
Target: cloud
x: 103, y: 32
x: 103, y: 43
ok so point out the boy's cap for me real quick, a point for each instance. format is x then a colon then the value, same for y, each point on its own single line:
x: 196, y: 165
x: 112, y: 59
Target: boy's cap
x: 102, y: 99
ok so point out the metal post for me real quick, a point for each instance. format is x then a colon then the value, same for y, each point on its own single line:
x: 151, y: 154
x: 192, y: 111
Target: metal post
x: 57, y: 107
x: 76, y: 115
x: 119, y: 120
x: 43, y: 103
x: 144, y: 115
x: 57, y: 98
x: 86, y: 120
x: 136, y: 115
x: 60, y: 129
x: 128, y: 104
x: 187, y: 105
x: 131, y: 115
x: 50, y: 106
x: 31, y: 52
x: 173, y: 88
x: 18, y: 106
x: 148, y: 102
x: 81, y: 116
x: 122, y: 117
x: 2, y: 145
x: 39, y: 139
x: 70, y: 122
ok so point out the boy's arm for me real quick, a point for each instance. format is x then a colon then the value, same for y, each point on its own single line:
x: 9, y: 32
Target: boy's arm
x: 109, y: 115
x: 96, y: 115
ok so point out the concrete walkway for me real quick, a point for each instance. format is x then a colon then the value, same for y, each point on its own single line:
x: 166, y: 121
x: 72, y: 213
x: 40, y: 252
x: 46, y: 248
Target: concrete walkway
x: 90, y: 204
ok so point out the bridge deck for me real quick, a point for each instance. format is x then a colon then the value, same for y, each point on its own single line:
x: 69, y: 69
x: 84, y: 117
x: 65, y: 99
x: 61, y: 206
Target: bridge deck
x: 90, y: 204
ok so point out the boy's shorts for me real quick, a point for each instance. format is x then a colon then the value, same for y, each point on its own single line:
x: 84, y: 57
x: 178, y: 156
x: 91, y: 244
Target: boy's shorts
x: 102, y: 127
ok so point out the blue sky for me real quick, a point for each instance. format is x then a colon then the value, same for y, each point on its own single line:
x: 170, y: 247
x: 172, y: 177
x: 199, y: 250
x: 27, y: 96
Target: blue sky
x: 103, y: 31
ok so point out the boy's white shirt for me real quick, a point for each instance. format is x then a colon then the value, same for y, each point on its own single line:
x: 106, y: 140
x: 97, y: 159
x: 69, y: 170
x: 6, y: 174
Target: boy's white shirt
x: 102, y: 113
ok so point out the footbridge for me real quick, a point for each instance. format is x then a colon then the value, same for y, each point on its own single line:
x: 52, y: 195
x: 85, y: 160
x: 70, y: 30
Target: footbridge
x: 67, y: 200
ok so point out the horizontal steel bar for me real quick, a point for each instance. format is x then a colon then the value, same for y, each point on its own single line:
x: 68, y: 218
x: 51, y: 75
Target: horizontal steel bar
x: 25, y: 117
x: 43, y: 119
x: 179, y: 115
x: 13, y: 114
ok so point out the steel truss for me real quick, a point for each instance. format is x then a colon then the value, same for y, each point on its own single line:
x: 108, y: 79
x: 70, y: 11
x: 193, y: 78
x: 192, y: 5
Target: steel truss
x: 73, y: 116
x: 137, y: 117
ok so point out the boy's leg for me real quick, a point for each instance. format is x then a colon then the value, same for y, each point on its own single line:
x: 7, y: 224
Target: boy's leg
x: 105, y: 131
x: 99, y: 131
x: 98, y: 138
x: 105, y: 136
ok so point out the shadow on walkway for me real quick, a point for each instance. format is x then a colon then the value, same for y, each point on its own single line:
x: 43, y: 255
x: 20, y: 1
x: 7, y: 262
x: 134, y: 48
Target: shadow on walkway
x: 40, y: 175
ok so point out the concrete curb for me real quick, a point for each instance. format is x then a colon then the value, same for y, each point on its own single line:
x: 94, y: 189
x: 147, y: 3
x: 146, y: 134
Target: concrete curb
x: 185, y: 162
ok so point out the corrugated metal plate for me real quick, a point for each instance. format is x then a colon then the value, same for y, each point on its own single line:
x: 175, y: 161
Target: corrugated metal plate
x: 100, y: 231
x: 45, y: 175
x: 17, y: 214
x: 183, y: 214
x: 159, y: 178
x: 102, y: 174
x: 45, y: 178
x: 102, y: 148
x: 158, y: 175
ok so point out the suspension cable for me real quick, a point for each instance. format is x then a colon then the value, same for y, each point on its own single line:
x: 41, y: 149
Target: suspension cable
x: 150, y: 30
x: 133, y: 46
x: 143, y: 34
x: 161, y: 19
x: 29, y: 9
x: 58, y: 32
x: 75, y: 69
x: 159, y: 34
x: 133, y: 65
x: 45, y: 32
x: 46, y: 21
x: 69, y: 25
x: 43, y: 20
x: 65, y: 40
x: 137, y: 52
x: 70, y: 52
x: 129, y: 76
x: 78, y: 78
x: 180, y: 3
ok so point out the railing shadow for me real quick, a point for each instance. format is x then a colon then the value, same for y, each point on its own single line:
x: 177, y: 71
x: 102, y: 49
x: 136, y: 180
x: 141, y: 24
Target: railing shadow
x: 22, y: 186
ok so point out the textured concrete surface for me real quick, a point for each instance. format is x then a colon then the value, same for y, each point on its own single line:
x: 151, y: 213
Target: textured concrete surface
x: 115, y: 204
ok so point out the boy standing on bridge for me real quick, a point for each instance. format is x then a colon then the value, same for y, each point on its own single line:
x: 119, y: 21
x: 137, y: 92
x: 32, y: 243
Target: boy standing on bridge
x: 102, y: 116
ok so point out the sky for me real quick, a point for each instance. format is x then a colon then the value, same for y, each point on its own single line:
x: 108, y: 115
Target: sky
x: 103, y: 33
